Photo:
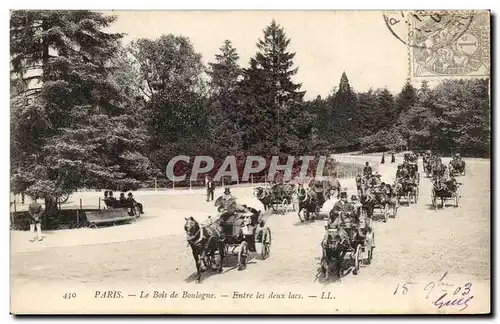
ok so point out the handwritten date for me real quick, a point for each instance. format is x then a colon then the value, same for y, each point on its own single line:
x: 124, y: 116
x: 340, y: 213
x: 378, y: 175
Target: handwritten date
x: 448, y: 295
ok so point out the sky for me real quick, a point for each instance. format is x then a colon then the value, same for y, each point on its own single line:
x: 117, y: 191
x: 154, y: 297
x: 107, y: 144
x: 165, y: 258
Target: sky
x: 326, y: 43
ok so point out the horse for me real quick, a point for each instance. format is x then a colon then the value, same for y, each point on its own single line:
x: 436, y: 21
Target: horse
x: 264, y: 195
x: 335, y: 244
x: 308, y: 201
x: 204, y: 242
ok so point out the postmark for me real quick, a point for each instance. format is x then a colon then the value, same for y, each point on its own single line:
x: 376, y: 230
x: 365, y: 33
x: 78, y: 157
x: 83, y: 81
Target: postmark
x: 422, y: 29
x: 467, y: 55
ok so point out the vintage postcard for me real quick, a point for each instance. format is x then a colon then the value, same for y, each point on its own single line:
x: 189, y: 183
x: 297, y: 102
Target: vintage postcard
x: 250, y: 162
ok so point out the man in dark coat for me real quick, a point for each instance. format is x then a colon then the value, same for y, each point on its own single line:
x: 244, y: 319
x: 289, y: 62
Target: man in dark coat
x: 136, y: 205
x: 393, y: 158
x: 35, y: 218
x: 210, y: 186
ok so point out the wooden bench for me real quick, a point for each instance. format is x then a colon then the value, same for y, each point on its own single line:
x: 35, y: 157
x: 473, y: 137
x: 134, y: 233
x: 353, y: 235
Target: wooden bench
x: 108, y: 216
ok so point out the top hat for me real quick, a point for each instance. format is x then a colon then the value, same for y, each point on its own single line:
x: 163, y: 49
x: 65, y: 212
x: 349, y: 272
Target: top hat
x: 343, y: 194
x: 227, y: 191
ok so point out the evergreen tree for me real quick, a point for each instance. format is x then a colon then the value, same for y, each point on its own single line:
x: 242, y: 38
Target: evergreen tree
x: 386, y: 109
x: 71, y: 94
x: 406, y: 99
x: 269, y: 99
x: 224, y: 116
x: 368, y: 114
x: 344, y: 116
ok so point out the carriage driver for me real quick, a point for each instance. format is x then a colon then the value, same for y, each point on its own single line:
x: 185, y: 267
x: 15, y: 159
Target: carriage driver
x: 343, y: 206
x: 231, y: 207
x: 344, y: 213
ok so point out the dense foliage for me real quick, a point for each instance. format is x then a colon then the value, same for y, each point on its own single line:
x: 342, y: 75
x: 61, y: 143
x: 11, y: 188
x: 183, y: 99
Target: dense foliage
x: 87, y: 111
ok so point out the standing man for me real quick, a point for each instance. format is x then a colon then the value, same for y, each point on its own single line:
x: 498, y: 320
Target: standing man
x: 209, y: 184
x: 383, y: 158
x: 35, y: 217
x: 393, y: 158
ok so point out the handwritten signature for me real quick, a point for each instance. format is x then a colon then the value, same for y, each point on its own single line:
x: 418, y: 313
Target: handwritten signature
x: 461, y: 296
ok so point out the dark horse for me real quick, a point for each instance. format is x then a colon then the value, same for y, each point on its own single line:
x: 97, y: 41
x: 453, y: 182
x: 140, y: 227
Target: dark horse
x: 308, y: 202
x: 335, y: 245
x: 205, y: 241
x: 264, y: 195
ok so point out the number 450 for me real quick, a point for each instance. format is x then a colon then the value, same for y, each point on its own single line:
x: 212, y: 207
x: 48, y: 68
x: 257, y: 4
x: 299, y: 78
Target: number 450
x: 69, y: 295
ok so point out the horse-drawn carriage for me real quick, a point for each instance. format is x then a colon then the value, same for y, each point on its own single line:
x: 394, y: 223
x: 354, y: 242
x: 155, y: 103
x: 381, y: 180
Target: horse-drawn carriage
x: 413, y: 171
x: 406, y: 188
x: 350, y: 244
x: 238, y: 231
x: 310, y: 202
x: 381, y: 202
x: 445, y: 190
x: 279, y: 196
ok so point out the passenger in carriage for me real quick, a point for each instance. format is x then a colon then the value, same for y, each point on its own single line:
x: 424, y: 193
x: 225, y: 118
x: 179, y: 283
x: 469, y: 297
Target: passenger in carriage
x: 399, y: 171
x: 230, y: 208
x: 341, y: 206
x: 377, y: 180
x: 451, y: 183
x: 344, y: 217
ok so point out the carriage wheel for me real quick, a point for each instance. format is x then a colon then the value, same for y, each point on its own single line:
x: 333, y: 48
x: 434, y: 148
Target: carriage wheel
x: 62, y: 199
x: 243, y: 255
x: 370, y: 245
x: 325, y: 267
x: 357, y: 255
x: 266, y: 243
x: 93, y: 225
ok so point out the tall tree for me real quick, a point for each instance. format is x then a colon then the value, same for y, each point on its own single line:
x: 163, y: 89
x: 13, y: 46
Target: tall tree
x: 66, y: 62
x: 406, y: 99
x: 345, y: 118
x: 368, y: 114
x: 171, y: 74
x: 269, y: 99
x: 386, y: 109
x: 225, y: 74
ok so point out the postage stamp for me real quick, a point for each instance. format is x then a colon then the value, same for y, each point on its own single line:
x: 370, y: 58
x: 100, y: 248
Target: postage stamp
x: 444, y: 43
x: 240, y: 162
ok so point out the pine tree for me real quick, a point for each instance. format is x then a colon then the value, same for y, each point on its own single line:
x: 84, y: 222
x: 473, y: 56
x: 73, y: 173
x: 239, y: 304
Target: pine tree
x: 406, y: 99
x: 270, y: 100
x: 386, y: 109
x: 225, y: 74
x: 367, y: 111
x: 344, y: 116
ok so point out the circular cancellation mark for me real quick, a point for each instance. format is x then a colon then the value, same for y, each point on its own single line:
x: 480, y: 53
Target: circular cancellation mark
x: 424, y: 29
